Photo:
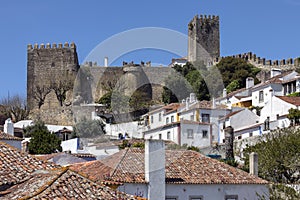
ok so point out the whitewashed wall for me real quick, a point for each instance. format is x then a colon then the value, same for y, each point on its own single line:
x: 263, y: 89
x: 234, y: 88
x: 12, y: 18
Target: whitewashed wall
x: 70, y: 145
x: 210, y: 191
x: 15, y: 143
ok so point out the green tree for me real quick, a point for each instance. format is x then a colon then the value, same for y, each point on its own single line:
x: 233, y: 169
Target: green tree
x: 236, y: 69
x: 198, y: 84
x: 176, y: 89
x: 279, y: 156
x: 139, y: 100
x: 106, y: 99
x: 294, y: 116
x: 234, y: 85
x: 295, y: 94
x: 42, y: 141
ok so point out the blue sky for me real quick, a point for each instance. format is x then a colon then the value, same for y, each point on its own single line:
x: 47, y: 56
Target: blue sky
x: 269, y: 28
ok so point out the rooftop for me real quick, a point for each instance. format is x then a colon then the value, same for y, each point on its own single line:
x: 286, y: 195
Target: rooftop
x: 23, y: 176
x: 182, y: 167
x: 16, y: 166
x: 61, y: 184
x: 5, y: 136
x: 292, y: 100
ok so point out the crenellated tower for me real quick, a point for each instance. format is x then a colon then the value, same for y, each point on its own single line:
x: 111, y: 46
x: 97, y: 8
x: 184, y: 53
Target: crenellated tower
x: 48, y: 68
x: 203, y: 38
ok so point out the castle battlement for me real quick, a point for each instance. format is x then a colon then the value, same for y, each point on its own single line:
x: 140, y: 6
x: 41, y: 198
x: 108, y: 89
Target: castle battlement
x: 53, y: 46
x: 285, y: 64
x: 208, y: 18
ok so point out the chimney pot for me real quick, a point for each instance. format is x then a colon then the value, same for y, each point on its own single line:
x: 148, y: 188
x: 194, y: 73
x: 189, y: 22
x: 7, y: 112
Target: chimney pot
x: 253, y: 163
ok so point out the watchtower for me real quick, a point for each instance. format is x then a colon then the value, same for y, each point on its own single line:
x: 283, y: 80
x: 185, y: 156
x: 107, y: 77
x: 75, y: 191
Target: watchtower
x: 203, y: 38
x: 49, y: 67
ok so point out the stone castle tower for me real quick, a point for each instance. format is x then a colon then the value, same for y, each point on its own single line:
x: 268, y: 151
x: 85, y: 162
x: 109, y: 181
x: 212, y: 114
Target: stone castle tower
x: 203, y: 38
x: 51, y: 71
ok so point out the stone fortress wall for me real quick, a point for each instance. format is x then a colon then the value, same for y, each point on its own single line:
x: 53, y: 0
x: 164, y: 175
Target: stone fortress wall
x: 263, y: 63
x: 56, y: 82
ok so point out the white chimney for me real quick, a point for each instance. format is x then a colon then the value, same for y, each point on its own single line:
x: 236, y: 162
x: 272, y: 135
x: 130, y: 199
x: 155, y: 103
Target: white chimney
x: 105, y: 61
x: 192, y: 97
x: 253, y: 163
x: 224, y: 92
x: 9, y: 127
x: 155, y: 168
x: 249, y: 82
x: 187, y: 102
x: 213, y: 103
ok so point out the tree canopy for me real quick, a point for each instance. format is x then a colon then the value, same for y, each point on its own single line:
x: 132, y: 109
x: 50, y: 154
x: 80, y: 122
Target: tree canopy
x: 279, y: 156
x: 207, y: 82
x: 42, y: 141
x: 236, y: 69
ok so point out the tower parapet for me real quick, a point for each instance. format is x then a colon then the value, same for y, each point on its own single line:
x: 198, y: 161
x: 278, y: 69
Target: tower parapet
x: 203, y: 38
x: 47, y: 64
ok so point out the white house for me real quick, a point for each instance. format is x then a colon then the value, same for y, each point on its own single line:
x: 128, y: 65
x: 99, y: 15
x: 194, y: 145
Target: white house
x: 278, y: 108
x: 280, y: 85
x: 242, y: 121
x: 159, y: 174
x: 204, y: 112
x: 166, y: 123
x: 183, y: 132
x: 178, y: 61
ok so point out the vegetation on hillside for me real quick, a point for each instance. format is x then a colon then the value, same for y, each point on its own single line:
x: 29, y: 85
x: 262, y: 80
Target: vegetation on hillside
x: 236, y: 69
x: 278, y: 162
x: 208, y: 82
x: 294, y: 116
x: 42, y: 140
x: 279, y: 156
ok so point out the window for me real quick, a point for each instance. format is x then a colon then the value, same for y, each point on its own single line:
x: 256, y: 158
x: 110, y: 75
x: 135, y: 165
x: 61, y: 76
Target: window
x: 159, y: 136
x: 151, y: 119
x: 192, y: 117
x: 167, y: 120
x: 171, y: 198
x: 195, y: 197
x: 250, y: 134
x: 231, y: 197
x: 261, y: 96
x: 159, y: 117
x: 239, y: 137
x: 190, y: 133
x: 168, y: 135
x: 204, y: 133
x: 205, y: 118
x: 172, y: 119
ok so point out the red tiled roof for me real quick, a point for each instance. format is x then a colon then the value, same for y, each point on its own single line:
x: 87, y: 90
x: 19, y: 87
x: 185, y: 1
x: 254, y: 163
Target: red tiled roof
x: 5, y: 136
x: 15, y: 166
x: 30, y: 178
x: 62, y: 184
x: 292, y: 100
x: 182, y: 167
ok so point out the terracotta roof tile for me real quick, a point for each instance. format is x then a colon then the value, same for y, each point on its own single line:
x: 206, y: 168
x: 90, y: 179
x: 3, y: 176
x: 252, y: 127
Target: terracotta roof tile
x: 292, y: 100
x: 5, y: 136
x: 62, y: 184
x: 182, y: 167
x: 16, y: 165
x: 27, y: 177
